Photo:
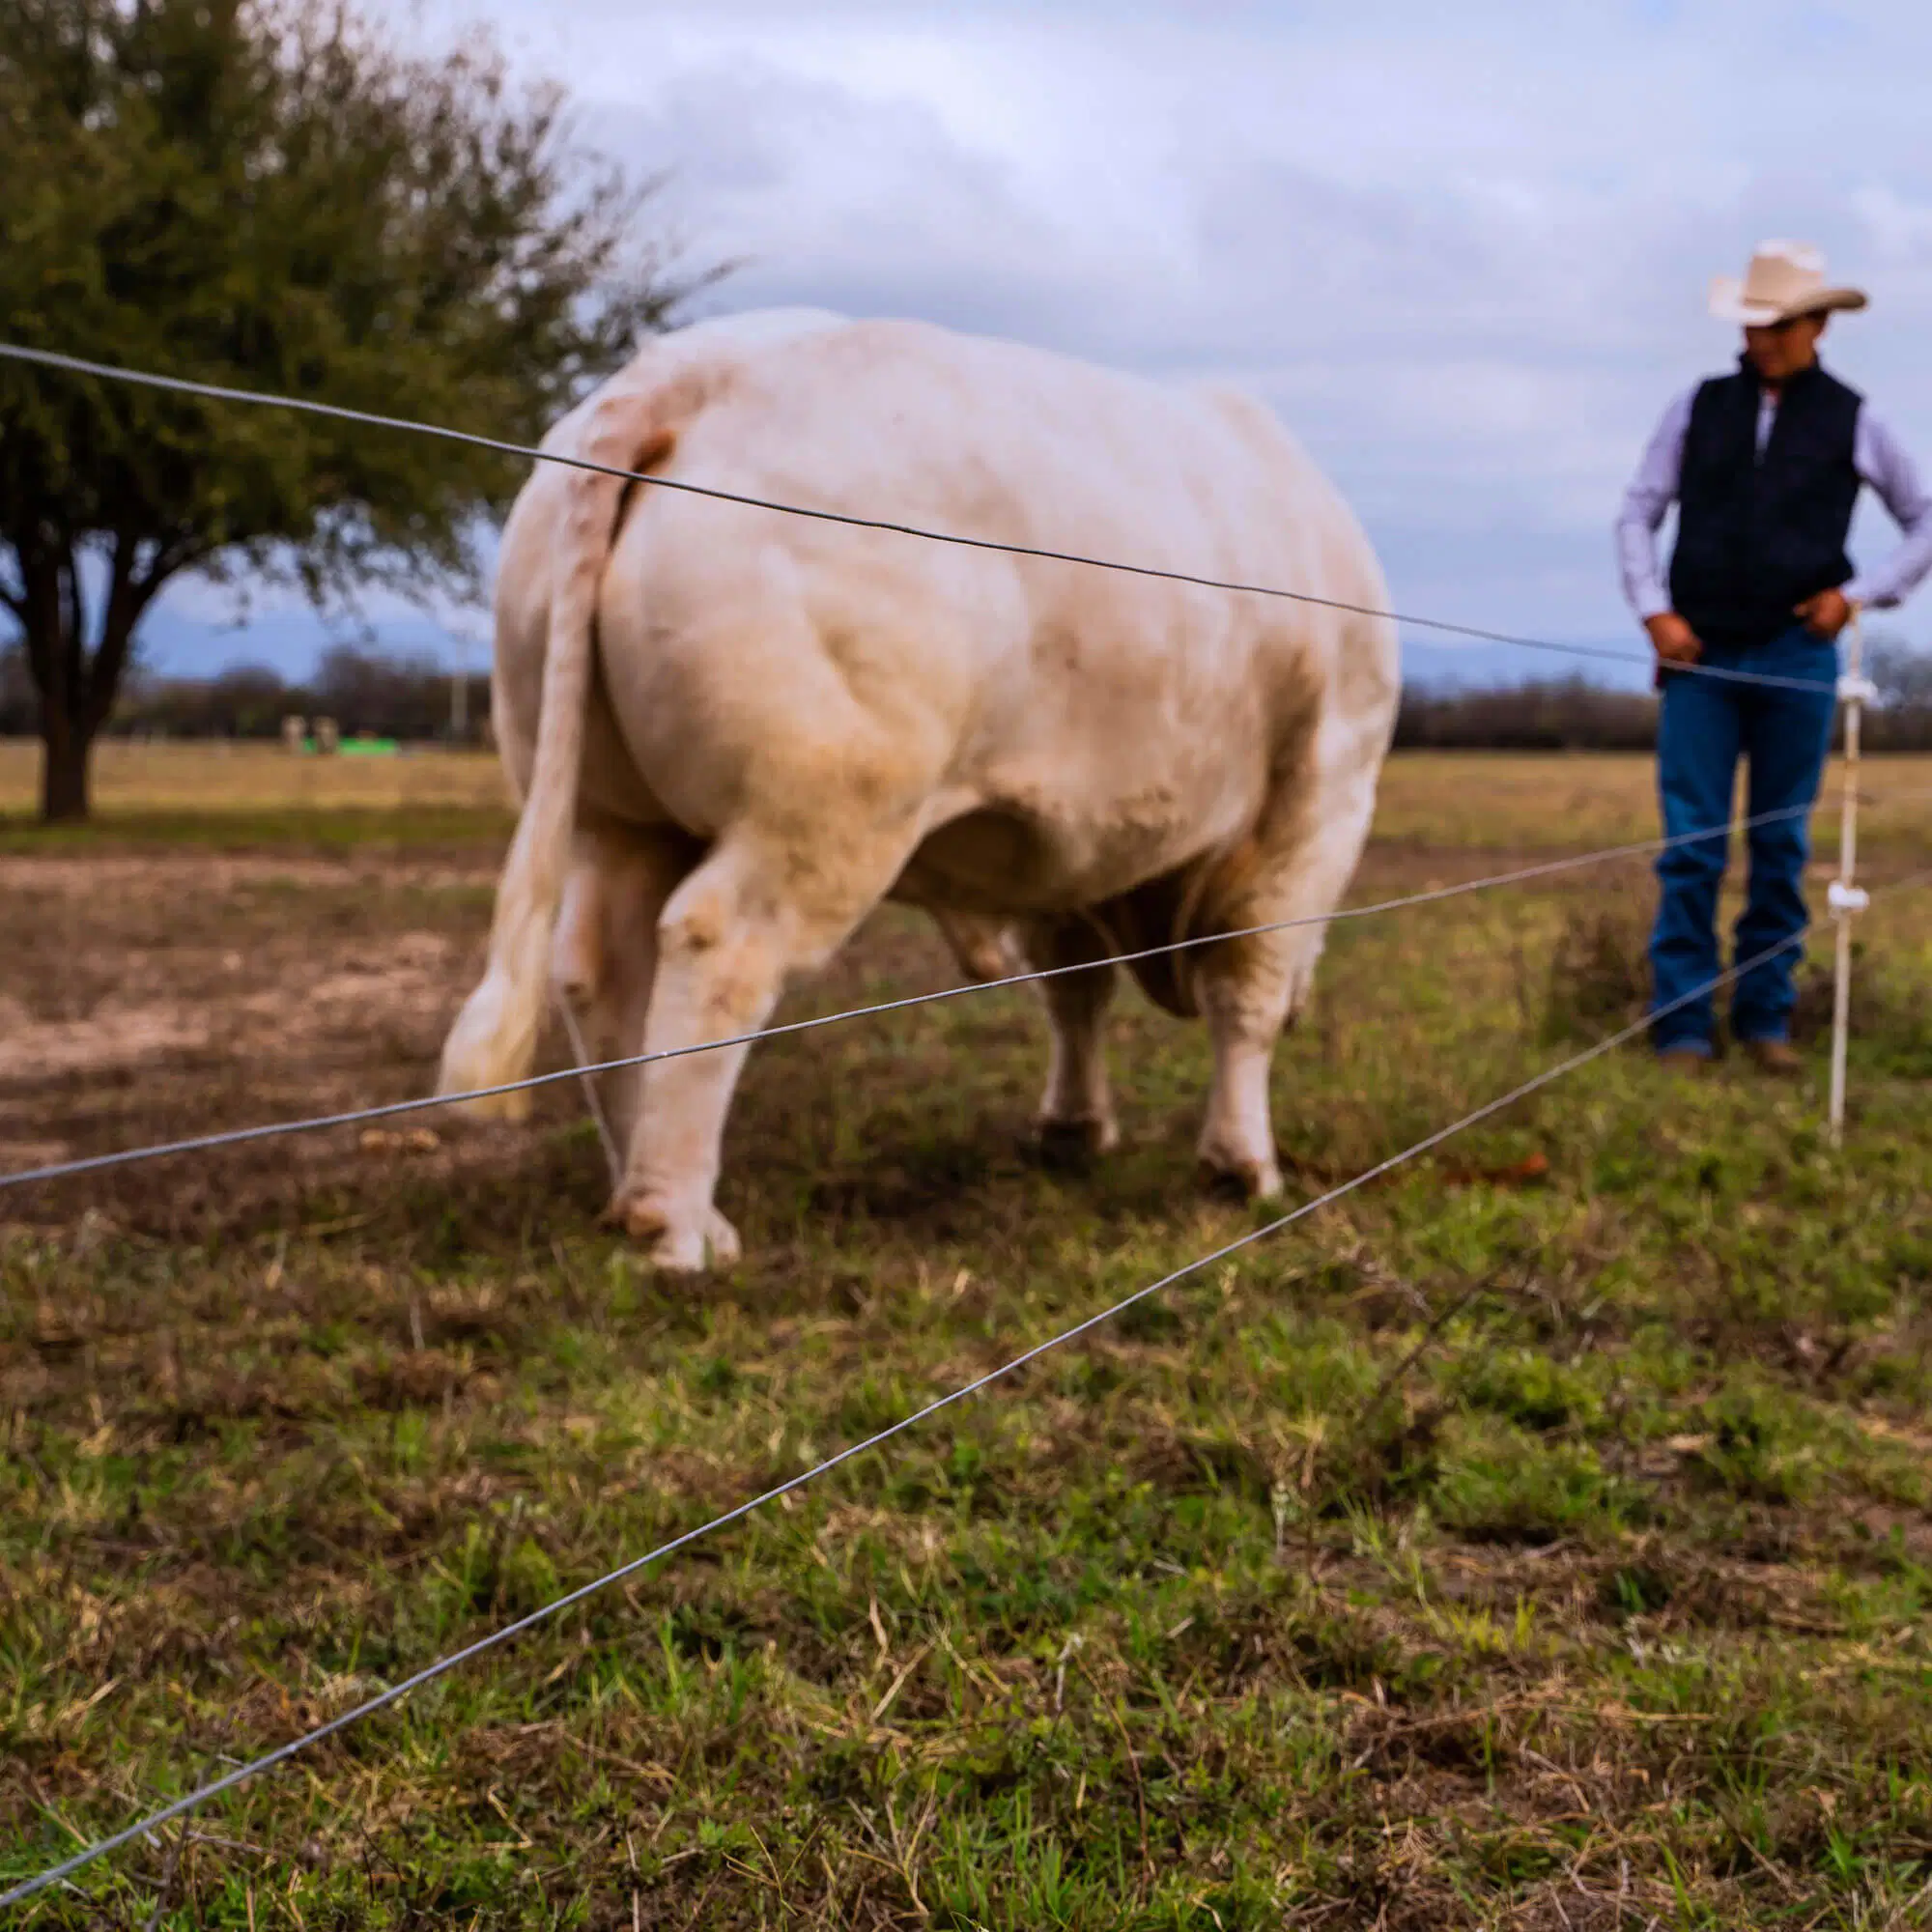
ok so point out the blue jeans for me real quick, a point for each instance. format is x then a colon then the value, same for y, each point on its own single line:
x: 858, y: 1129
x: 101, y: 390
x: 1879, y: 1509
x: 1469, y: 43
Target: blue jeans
x: 1705, y: 724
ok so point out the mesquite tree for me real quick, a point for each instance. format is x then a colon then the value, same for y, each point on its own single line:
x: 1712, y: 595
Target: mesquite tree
x: 271, y: 195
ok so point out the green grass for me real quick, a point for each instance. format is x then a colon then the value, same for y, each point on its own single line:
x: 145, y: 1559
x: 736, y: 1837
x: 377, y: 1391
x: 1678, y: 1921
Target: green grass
x: 1540, y: 1555
x: 256, y: 828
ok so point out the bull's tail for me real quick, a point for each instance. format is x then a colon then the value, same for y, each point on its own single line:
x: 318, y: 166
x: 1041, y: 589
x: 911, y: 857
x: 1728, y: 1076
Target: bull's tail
x: 494, y: 1042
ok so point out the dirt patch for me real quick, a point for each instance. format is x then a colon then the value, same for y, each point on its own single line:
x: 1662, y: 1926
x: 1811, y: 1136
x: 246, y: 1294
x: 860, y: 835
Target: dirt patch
x: 157, y: 999
x: 317, y: 1000
x: 113, y: 1036
x: 153, y: 999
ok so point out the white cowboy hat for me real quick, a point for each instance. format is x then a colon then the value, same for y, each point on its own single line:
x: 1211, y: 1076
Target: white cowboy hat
x: 1786, y: 279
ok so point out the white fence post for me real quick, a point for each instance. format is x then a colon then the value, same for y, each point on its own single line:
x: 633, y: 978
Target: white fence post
x: 1845, y: 898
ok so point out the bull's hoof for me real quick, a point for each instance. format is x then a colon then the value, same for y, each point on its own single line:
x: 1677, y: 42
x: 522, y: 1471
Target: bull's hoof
x: 1074, y: 1144
x: 1238, y: 1179
x: 674, y: 1246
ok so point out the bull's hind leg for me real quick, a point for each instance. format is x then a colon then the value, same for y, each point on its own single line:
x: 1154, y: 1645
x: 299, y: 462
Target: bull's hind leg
x: 751, y: 914
x: 1076, y: 1113
x: 1249, y: 990
x: 604, y: 958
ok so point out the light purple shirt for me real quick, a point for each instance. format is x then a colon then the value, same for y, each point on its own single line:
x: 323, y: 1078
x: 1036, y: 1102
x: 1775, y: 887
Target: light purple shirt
x: 1876, y: 454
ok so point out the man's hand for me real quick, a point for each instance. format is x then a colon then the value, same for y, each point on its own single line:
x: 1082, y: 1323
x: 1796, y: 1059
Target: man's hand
x: 1673, y: 640
x: 1825, y: 615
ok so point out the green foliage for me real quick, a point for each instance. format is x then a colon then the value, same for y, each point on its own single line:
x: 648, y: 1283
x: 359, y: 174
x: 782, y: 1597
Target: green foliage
x: 263, y: 194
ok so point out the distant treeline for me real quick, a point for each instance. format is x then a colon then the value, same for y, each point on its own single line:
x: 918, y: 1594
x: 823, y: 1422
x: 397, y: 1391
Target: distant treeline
x: 1566, y: 715
x: 409, y: 697
x: 1574, y: 715
x: 387, y: 694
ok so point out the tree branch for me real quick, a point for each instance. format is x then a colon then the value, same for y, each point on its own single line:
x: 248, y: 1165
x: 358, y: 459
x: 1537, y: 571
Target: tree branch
x: 174, y: 553
x: 41, y: 594
x: 123, y: 607
x: 130, y: 589
x: 14, y: 600
x: 73, y: 626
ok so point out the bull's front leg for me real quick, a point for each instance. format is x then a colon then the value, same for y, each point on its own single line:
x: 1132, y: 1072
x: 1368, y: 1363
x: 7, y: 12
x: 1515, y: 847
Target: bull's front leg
x: 1246, y: 996
x: 1250, y: 988
x: 1076, y: 1112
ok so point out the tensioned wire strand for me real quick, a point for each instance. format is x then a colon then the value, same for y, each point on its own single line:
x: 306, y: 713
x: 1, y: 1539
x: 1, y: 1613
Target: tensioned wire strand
x: 76, y: 365
x: 79, y: 366
x: 193, y: 1800
x: 315, y: 1123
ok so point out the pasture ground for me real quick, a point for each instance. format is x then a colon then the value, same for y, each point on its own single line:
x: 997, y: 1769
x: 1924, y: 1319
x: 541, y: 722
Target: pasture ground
x: 1512, y: 1544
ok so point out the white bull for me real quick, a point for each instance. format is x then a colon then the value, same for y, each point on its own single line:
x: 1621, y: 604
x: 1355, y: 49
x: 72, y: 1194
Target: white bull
x: 735, y: 731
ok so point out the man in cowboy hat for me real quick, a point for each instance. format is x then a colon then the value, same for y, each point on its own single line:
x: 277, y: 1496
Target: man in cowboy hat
x: 1764, y: 466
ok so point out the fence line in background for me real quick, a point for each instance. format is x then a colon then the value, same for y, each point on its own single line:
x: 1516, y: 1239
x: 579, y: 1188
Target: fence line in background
x: 76, y: 365
x: 584, y: 1071
x: 214, y: 1787
x: 1844, y: 896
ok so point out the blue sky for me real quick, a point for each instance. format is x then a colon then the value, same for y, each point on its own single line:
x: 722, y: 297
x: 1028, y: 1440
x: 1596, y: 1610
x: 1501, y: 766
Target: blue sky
x: 1462, y: 251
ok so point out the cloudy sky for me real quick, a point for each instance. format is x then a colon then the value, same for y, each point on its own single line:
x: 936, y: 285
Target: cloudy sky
x: 1463, y: 251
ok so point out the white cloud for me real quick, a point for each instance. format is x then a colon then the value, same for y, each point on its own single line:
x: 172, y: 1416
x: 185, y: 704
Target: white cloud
x: 1462, y: 251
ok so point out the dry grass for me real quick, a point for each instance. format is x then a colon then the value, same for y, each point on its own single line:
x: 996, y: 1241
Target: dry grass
x: 221, y: 778
x: 1476, y: 1554
x: 1445, y: 803
x: 1471, y: 800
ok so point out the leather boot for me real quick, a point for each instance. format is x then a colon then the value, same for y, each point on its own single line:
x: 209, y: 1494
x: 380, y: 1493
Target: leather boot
x: 1776, y: 1056
x: 1689, y: 1060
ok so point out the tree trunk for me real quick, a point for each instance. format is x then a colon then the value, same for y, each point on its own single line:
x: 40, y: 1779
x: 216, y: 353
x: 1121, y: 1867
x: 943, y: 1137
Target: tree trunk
x: 77, y: 684
x: 65, y: 751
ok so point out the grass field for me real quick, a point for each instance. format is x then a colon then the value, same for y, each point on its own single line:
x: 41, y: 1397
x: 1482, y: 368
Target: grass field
x: 211, y: 780
x: 1540, y: 1542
